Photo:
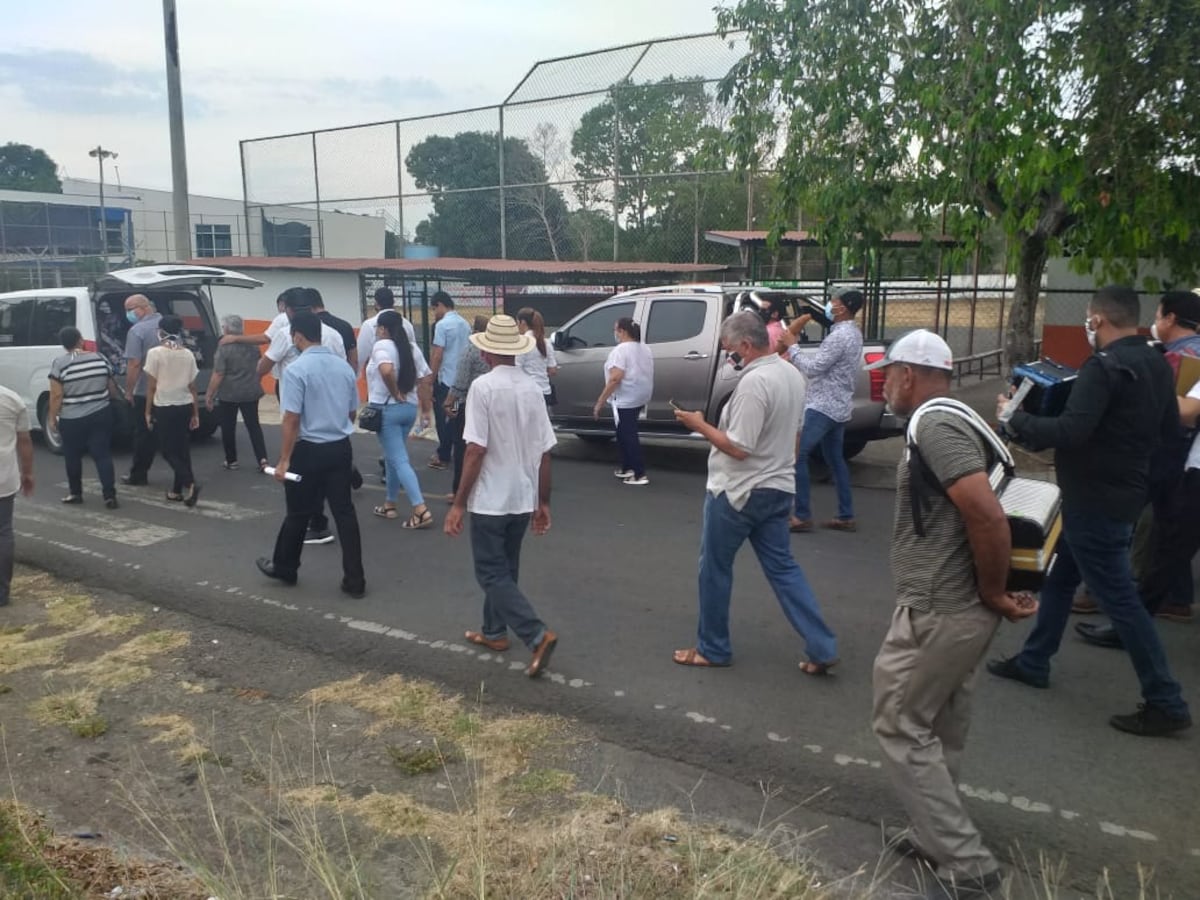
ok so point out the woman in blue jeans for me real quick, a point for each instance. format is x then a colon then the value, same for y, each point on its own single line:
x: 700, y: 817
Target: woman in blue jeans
x: 398, y: 382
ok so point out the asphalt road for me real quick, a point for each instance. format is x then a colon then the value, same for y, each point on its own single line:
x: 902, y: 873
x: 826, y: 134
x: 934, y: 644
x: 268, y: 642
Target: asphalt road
x: 616, y: 578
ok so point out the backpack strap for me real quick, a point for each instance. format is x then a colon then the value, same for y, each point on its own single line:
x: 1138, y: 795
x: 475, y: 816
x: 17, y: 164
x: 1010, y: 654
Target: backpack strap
x: 922, y: 483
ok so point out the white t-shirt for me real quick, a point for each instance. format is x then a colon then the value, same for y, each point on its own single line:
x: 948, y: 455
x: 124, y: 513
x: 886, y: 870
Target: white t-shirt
x: 386, y: 351
x: 283, y: 352
x: 14, y: 419
x: 635, y: 360
x: 366, y: 338
x: 506, y: 415
x: 1193, y: 460
x: 173, y: 370
x: 536, y: 366
x: 280, y: 322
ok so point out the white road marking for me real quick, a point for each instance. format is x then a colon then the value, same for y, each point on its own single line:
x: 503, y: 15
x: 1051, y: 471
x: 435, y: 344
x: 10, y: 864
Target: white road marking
x: 110, y: 527
x: 210, y: 509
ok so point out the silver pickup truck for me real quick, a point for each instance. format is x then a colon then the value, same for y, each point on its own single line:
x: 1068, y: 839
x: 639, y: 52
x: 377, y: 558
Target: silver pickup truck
x: 681, y: 326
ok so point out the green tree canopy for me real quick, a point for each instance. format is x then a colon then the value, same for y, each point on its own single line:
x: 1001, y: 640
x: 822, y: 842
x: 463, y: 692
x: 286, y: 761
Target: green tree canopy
x: 26, y: 168
x: 467, y: 222
x: 1073, y: 125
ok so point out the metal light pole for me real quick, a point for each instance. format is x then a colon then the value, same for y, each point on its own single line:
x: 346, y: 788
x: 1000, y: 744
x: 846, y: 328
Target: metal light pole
x: 99, y: 154
x: 179, y: 185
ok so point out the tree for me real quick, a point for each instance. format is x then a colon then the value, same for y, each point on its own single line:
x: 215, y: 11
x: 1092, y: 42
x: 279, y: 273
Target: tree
x: 1072, y: 124
x: 640, y: 131
x: 25, y: 168
x: 463, y: 173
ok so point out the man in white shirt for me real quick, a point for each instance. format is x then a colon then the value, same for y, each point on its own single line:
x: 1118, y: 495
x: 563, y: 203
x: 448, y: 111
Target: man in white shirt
x: 505, y: 483
x: 384, y: 299
x: 16, y: 473
x: 749, y: 496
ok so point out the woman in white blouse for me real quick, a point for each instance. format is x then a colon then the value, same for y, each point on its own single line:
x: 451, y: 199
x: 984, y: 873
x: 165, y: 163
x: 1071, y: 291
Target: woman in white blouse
x: 539, y: 363
x: 398, y: 381
x: 628, y: 386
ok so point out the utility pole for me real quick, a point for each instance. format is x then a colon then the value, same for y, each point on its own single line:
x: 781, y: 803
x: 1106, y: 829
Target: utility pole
x: 179, y: 184
x: 99, y: 154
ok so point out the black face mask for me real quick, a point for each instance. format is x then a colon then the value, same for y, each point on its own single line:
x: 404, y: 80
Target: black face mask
x: 736, y: 359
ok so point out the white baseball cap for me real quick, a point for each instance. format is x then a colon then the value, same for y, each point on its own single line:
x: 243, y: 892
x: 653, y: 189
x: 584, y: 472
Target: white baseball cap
x: 918, y: 348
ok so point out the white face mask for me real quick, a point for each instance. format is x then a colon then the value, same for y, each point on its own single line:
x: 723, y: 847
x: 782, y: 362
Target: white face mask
x: 1091, y: 332
x: 1154, y: 332
x: 829, y: 310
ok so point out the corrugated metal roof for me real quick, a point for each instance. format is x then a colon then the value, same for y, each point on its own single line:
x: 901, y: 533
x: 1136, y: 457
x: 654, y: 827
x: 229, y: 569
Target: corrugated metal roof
x: 806, y: 239
x: 477, y: 270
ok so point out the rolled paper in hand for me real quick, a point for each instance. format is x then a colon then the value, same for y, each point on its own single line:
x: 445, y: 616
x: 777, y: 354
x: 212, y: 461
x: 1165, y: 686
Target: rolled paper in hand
x: 290, y: 476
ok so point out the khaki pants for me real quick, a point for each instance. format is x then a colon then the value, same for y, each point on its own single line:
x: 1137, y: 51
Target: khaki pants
x: 924, y: 677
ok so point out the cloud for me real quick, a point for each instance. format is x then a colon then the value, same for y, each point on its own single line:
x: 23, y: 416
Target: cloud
x: 67, y: 81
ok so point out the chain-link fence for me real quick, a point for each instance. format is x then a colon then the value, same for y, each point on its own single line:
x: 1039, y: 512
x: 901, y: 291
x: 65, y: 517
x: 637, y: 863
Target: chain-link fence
x: 602, y: 156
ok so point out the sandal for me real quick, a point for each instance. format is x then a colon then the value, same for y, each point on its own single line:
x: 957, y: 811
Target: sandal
x: 72, y: 499
x: 499, y: 644
x: 173, y: 497
x: 692, y: 657
x: 386, y: 512
x: 419, y: 520
x: 817, y: 669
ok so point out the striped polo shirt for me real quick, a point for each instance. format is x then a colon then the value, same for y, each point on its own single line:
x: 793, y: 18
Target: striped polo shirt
x: 84, y: 378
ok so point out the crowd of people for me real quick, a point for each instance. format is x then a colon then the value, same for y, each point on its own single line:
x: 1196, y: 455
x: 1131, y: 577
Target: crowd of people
x: 1126, y: 455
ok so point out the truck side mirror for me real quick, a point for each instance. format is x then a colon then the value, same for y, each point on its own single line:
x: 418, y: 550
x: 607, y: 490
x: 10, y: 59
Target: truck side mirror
x: 558, y: 340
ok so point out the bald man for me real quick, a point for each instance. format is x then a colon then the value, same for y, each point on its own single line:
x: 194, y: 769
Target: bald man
x: 143, y: 335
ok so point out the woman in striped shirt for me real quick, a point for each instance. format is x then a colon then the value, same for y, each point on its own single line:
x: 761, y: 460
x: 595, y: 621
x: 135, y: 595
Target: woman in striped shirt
x: 81, y: 392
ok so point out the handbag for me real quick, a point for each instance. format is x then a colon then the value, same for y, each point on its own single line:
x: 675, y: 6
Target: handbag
x: 370, y: 417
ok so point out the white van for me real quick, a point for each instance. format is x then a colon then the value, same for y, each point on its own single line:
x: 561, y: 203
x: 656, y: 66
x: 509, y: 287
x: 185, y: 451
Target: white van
x: 31, y: 320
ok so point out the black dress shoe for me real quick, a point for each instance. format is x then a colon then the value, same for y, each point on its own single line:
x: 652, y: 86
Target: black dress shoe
x: 134, y: 481
x: 1011, y: 669
x: 267, y: 567
x: 355, y: 478
x: 1099, y: 635
x: 1151, y: 721
x: 357, y: 592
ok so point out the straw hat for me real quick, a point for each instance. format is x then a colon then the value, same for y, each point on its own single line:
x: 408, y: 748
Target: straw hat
x: 503, y: 338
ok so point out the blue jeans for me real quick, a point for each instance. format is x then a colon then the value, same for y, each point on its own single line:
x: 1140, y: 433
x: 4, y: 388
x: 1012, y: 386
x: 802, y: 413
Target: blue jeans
x: 764, y: 520
x: 496, y: 547
x: 1095, y: 550
x: 398, y: 419
x: 820, y: 430
x: 626, y: 420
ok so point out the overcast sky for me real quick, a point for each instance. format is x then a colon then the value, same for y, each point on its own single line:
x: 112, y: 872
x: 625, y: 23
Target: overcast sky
x: 75, y: 73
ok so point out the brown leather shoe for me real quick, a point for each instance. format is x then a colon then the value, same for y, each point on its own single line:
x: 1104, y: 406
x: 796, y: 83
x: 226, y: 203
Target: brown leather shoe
x: 1175, y: 613
x: 849, y: 525
x: 1084, y: 605
x: 541, y: 656
x: 800, y: 526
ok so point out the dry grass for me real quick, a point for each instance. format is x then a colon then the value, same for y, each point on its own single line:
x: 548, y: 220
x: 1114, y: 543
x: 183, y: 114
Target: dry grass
x: 78, y: 710
x: 395, y: 701
x: 128, y: 663
x: 188, y: 749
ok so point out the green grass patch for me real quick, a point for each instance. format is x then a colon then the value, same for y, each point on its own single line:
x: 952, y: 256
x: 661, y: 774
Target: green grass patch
x: 24, y: 872
x: 543, y: 783
x: 416, y: 760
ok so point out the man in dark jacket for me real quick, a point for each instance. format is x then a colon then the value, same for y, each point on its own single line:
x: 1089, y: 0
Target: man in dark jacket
x: 1121, y: 408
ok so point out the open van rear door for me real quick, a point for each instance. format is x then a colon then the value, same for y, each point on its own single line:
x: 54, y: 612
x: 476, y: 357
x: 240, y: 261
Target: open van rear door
x: 168, y: 276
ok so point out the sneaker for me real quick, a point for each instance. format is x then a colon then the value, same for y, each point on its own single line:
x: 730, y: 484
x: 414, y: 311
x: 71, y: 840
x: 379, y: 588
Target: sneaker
x: 231, y: 465
x: 1175, y: 613
x: 638, y: 480
x: 111, y: 502
x: 1011, y: 669
x: 1151, y: 721
x: 318, y: 537
x: 624, y: 473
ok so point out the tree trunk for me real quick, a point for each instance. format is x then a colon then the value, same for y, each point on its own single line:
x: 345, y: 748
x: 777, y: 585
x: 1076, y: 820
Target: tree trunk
x: 1033, y: 252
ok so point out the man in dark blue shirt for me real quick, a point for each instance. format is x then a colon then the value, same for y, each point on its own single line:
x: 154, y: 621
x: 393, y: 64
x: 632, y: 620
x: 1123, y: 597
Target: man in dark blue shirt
x: 1122, y: 406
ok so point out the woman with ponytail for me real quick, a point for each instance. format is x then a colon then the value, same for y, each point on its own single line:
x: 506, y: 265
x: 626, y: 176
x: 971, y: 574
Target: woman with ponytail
x: 628, y: 386
x: 539, y: 363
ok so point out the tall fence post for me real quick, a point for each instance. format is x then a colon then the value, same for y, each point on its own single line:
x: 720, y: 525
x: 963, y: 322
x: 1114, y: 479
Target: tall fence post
x: 245, y: 197
x: 503, y: 215
x: 400, y: 239
x: 317, y: 191
x: 616, y: 205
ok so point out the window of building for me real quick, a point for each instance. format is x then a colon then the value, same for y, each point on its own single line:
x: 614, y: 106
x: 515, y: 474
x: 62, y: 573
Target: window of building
x: 51, y: 315
x: 675, y: 320
x: 213, y: 240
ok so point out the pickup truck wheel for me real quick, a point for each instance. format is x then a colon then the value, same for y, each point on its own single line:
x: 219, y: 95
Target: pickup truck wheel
x: 52, y: 439
x: 596, y: 438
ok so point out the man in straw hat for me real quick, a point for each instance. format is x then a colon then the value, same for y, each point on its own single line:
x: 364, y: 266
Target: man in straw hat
x: 505, y: 482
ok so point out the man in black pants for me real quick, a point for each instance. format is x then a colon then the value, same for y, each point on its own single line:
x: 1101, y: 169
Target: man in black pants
x: 319, y: 400
x: 142, y: 337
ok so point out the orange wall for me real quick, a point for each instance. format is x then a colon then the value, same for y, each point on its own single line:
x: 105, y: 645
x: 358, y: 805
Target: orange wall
x: 258, y: 326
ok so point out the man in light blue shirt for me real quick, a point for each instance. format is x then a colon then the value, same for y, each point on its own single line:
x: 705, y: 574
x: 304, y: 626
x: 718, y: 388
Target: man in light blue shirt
x: 451, y: 333
x: 319, y: 400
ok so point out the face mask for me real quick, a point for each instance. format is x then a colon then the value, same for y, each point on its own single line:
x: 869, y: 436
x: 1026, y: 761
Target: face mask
x: 616, y: 338
x: 1154, y: 332
x: 735, y: 360
x: 131, y: 317
x: 829, y: 310
x: 1091, y: 333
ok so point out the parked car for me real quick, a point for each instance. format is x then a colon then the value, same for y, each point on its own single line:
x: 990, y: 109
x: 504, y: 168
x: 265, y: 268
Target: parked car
x: 31, y: 320
x: 681, y: 325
